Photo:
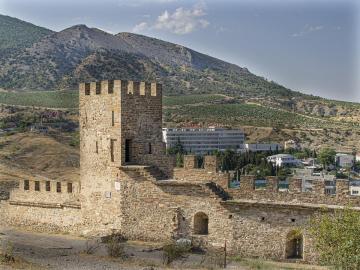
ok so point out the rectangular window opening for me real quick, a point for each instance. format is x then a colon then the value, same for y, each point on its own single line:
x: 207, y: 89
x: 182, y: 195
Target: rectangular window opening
x: 96, y: 147
x: 26, y: 185
x: 150, y: 148
x: 128, y: 150
x: 37, y: 186
x: 112, y: 148
x: 112, y: 118
x: 69, y: 187
x: 47, y: 186
x: 58, y: 187
x: 87, y: 89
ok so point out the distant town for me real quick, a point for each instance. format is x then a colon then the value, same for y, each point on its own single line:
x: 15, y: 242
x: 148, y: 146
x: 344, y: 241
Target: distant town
x: 289, y: 159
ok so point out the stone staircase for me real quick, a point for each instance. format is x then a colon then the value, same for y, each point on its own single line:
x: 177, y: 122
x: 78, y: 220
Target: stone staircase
x: 153, y: 173
x: 218, y: 191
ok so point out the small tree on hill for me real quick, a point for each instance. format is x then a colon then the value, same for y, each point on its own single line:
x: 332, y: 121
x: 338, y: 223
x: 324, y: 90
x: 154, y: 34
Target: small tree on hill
x: 337, y: 238
x: 327, y: 156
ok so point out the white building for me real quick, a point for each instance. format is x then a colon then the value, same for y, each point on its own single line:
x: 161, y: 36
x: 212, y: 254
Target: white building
x: 263, y: 147
x: 355, y: 190
x: 344, y: 160
x: 204, y: 140
x: 357, y: 157
x: 283, y: 160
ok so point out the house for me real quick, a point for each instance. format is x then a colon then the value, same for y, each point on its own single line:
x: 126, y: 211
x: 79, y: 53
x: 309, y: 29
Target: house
x: 262, y: 147
x: 357, y: 156
x: 283, y: 160
x: 344, y: 160
x: 38, y: 128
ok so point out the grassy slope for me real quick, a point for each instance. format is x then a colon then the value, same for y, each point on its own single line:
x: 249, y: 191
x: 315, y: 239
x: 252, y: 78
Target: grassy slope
x: 50, y: 99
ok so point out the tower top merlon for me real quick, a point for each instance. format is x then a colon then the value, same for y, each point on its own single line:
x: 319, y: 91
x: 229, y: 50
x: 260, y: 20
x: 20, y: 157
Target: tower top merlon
x: 126, y: 87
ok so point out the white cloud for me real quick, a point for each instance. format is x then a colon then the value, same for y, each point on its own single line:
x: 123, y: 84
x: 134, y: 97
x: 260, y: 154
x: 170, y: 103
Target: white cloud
x: 140, y: 27
x: 181, y: 21
x: 137, y: 3
x: 307, y: 30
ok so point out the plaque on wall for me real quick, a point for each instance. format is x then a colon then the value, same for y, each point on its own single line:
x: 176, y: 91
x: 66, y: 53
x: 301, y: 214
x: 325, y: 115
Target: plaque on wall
x: 117, y: 186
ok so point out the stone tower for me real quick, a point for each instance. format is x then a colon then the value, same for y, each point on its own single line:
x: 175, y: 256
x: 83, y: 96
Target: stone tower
x: 120, y: 125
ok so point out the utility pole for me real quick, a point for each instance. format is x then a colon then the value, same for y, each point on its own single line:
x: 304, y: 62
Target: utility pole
x: 225, y: 255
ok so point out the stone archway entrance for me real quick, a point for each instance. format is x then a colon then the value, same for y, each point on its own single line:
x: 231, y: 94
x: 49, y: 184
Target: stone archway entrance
x: 201, y: 223
x: 294, y: 245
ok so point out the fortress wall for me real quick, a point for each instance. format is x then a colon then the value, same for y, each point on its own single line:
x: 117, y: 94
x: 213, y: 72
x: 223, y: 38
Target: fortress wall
x: 200, y: 175
x: 59, y: 192
x: 294, y: 194
x: 41, y: 218
x: 262, y: 231
x: 165, y: 211
x: 42, y: 210
x: 162, y: 211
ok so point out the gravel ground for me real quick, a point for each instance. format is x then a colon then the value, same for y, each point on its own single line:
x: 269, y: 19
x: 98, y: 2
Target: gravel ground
x: 60, y: 252
x: 40, y: 251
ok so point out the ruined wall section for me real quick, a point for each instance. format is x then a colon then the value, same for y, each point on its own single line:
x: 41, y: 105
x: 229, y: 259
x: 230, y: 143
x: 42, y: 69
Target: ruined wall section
x: 165, y: 210
x: 262, y: 230
x: 190, y: 173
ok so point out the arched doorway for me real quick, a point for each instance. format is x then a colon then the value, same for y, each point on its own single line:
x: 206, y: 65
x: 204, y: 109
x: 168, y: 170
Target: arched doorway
x: 294, y: 245
x: 201, y: 223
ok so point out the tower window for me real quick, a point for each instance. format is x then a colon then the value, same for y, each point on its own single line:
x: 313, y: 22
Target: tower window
x: 112, y: 118
x: 87, y: 89
x: 96, y: 147
x: 112, y: 149
x: 37, y: 186
x: 47, y: 186
x: 149, y: 149
x: 26, y: 185
x: 58, y: 187
x: 69, y: 187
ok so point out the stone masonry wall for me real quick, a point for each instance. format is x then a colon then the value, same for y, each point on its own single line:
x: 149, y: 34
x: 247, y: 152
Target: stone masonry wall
x: 294, y: 194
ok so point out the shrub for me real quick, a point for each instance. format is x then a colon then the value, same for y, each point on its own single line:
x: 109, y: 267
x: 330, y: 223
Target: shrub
x: 174, y: 251
x: 214, y: 258
x: 115, y: 246
x: 91, y: 245
x: 337, y: 238
x: 7, y: 254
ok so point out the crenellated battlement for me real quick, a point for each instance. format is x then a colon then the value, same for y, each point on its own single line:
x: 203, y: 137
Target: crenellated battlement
x: 121, y: 87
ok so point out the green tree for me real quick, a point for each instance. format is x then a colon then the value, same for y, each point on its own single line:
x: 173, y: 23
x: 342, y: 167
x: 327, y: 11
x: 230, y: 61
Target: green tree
x: 337, y: 239
x: 327, y: 156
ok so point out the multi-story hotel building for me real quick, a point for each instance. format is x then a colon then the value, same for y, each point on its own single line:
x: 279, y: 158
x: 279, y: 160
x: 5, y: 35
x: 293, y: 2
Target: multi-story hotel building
x: 204, y: 140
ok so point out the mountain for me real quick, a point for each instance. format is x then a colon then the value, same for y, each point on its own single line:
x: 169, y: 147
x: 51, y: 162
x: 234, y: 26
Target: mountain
x: 16, y: 35
x: 60, y: 60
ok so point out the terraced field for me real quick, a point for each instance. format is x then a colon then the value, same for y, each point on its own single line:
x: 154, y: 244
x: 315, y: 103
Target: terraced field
x: 48, y: 99
x: 205, y: 109
x: 245, y: 114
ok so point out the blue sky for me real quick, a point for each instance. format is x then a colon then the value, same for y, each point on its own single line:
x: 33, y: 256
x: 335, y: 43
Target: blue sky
x: 310, y: 45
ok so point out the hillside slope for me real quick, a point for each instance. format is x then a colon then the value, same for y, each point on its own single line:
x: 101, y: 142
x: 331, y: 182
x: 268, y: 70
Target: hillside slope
x: 51, y: 61
x: 79, y: 53
x: 16, y: 35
